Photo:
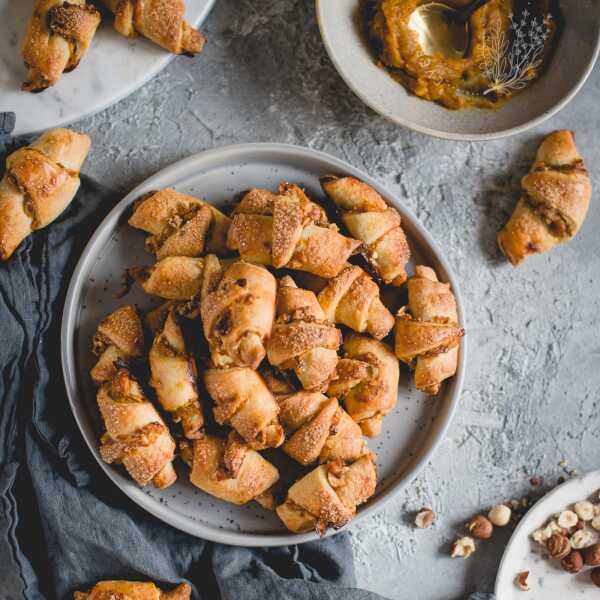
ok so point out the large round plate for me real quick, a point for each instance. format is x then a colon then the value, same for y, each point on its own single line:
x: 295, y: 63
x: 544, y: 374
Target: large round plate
x: 572, y: 62
x: 113, y: 68
x: 410, y: 433
x: 547, y: 579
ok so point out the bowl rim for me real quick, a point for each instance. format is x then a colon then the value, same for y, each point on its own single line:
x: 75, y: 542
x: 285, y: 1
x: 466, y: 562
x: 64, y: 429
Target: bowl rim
x: 460, y: 137
x: 232, y: 154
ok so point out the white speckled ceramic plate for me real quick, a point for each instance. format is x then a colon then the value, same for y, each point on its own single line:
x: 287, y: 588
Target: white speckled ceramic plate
x: 547, y: 579
x: 113, y: 68
x: 571, y: 64
x: 410, y: 433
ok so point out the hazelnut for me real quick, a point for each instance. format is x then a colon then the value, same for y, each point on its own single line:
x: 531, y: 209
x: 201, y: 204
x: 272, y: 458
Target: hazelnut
x: 463, y: 547
x: 595, y: 575
x: 522, y: 581
x: 582, y: 539
x: 425, y: 517
x: 573, y: 562
x: 558, y: 546
x: 500, y: 515
x: 539, y: 536
x: 480, y: 527
x: 596, y: 523
x: 591, y: 555
x: 584, y: 510
x: 567, y: 519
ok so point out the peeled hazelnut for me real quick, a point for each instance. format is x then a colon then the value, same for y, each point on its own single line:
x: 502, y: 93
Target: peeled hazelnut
x: 424, y: 518
x: 558, y: 546
x: 567, y: 519
x: 584, y: 510
x: 595, y: 575
x: 480, y: 527
x: 596, y: 523
x: 463, y: 547
x: 539, y: 536
x: 500, y: 515
x: 573, y: 562
x: 582, y: 539
x: 522, y: 581
x: 591, y: 555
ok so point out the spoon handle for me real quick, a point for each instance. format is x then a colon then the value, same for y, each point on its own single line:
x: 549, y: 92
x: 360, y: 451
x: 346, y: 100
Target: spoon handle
x: 476, y: 5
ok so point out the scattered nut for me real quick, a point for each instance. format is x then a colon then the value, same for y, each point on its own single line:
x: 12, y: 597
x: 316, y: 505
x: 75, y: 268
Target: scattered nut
x: 595, y: 575
x: 582, y: 539
x: 573, y: 562
x: 463, y: 547
x: 591, y: 555
x: 558, y: 546
x: 567, y: 519
x: 500, y: 515
x: 539, y: 536
x: 596, y: 523
x: 522, y: 581
x: 584, y: 510
x: 480, y: 527
x: 425, y: 517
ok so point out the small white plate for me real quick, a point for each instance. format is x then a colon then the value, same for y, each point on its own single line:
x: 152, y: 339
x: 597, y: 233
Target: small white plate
x: 547, y: 579
x: 112, y: 68
x: 410, y: 433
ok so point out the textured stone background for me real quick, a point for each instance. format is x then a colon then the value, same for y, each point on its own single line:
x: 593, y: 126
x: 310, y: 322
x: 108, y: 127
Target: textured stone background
x: 531, y: 395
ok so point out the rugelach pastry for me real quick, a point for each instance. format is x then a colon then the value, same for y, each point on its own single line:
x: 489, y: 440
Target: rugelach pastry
x: 133, y: 590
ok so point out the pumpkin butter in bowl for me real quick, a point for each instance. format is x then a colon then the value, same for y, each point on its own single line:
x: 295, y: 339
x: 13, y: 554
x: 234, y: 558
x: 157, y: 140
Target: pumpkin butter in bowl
x: 509, y: 43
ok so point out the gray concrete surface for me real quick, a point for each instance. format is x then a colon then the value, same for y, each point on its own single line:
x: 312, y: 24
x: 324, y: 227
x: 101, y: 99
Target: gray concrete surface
x: 531, y: 395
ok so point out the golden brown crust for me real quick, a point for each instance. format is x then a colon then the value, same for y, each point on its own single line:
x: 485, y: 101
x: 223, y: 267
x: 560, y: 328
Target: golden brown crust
x: 328, y: 495
x: 367, y: 382
x: 427, y: 331
x: 180, y: 225
x: 369, y: 219
x: 174, y: 378
x: 161, y: 21
x: 133, y: 590
x: 39, y: 183
x: 136, y: 436
x: 118, y: 337
x: 554, y: 203
x: 237, y: 316
x: 288, y: 230
x: 243, y: 401
x: 250, y: 477
x: 58, y: 35
x: 302, y: 340
x: 352, y: 299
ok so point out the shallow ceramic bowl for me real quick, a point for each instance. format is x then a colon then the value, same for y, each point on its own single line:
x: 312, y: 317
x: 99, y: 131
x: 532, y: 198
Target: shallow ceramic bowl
x: 410, y: 432
x: 572, y: 62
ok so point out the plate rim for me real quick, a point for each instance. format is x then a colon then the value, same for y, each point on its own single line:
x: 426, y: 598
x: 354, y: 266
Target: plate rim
x: 458, y: 137
x: 546, y: 498
x: 231, y: 153
x: 151, y: 73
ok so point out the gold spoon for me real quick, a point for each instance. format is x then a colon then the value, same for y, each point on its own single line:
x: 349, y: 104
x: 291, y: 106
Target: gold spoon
x: 443, y: 29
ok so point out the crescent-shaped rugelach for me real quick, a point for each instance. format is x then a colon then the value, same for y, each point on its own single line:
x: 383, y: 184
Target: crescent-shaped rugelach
x: 237, y: 316
x: 133, y: 590
x: 174, y: 376
x: 136, y: 436
x: 369, y: 219
x: 118, y: 337
x: 554, y: 202
x: 58, y: 34
x: 352, y: 299
x: 302, y: 340
x: 427, y: 332
x: 161, y: 21
x: 39, y: 183
x: 230, y: 470
x: 180, y: 225
x: 328, y: 495
x: 288, y: 230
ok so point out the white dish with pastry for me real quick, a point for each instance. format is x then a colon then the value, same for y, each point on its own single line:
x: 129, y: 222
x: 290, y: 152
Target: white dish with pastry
x: 261, y: 345
x: 62, y: 61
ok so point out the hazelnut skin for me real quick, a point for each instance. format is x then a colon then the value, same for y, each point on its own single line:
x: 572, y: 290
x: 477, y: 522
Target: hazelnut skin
x: 591, y: 555
x: 480, y: 527
x: 595, y: 575
x: 573, y: 562
x: 558, y: 546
